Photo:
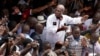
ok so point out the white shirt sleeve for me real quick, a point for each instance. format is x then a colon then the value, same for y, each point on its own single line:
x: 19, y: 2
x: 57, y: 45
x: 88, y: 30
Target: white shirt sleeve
x: 76, y: 20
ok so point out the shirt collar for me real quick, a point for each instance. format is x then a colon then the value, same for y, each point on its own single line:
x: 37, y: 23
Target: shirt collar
x: 60, y: 18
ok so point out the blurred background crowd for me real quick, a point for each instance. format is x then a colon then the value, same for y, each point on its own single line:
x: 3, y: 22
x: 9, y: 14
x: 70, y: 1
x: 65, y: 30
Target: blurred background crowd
x: 49, y: 27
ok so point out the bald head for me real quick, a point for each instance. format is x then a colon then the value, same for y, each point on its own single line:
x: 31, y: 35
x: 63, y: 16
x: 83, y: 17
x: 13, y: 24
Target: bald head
x: 94, y: 37
x: 47, y: 45
x: 32, y: 21
x: 59, y: 10
x: 38, y: 25
x: 60, y: 6
x: 39, y: 28
x: 97, y: 17
x: 58, y: 44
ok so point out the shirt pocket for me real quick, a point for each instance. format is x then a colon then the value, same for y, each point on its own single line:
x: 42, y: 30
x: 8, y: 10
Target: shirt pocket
x: 54, y: 23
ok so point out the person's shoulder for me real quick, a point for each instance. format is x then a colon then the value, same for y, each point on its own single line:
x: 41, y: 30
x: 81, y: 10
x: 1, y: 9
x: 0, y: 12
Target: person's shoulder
x: 66, y: 16
x: 51, y: 15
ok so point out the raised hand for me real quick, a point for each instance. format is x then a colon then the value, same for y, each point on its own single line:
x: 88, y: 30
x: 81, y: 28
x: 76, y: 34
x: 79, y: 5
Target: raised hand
x: 84, y: 42
x: 63, y: 28
x: 52, y: 3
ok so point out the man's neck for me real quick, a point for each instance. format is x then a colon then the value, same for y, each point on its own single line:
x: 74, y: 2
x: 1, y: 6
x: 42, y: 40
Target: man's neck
x: 77, y: 38
x: 59, y: 17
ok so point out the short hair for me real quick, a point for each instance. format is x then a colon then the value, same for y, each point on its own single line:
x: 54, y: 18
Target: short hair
x: 75, y: 28
x: 47, y: 45
x: 26, y: 41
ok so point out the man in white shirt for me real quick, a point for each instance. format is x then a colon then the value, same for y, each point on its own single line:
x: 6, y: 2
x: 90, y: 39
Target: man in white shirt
x: 95, y: 22
x: 57, y: 25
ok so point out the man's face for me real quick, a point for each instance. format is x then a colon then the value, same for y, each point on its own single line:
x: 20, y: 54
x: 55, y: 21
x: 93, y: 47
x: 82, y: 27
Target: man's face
x: 26, y: 28
x: 41, y: 29
x: 58, y: 12
x: 76, y: 33
x: 33, y: 23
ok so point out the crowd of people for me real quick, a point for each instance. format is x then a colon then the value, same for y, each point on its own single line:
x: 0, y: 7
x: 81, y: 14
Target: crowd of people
x: 49, y: 28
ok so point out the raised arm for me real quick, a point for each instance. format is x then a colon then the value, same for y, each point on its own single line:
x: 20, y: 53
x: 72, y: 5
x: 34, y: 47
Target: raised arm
x: 77, y: 20
x: 39, y: 9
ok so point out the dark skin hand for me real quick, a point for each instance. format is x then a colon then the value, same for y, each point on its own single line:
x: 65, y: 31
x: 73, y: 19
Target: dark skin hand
x: 62, y: 28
